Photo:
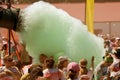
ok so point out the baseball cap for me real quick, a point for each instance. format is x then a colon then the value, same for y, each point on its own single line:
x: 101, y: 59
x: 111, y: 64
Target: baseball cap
x: 73, y: 66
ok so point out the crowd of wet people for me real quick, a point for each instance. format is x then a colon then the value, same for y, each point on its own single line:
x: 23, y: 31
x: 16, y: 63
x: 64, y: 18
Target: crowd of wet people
x: 64, y: 68
x: 3, y: 2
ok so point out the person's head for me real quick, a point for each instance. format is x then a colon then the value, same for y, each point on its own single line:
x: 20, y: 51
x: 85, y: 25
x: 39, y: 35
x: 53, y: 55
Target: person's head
x: 108, y: 59
x: 63, y: 62
x: 113, y: 40
x: 117, y: 53
x: 4, y: 47
x: 73, y: 70
x: 83, y: 63
x: 35, y: 71
x: 19, y: 65
x: 106, y: 43
x: 34, y: 66
x: 49, y: 63
x: 8, y: 61
x: 30, y: 60
x: 83, y: 66
x: 118, y: 42
x: 42, y: 58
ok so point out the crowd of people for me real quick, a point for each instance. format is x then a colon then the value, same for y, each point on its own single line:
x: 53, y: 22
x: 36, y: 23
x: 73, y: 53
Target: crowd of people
x: 6, y: 1
x: 64, y: 69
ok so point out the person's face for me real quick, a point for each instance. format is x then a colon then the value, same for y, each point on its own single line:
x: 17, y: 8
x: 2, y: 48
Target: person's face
x: 9, y: 62
x: 65, y: 63
x: 83, y: 65
x: 42, y: 59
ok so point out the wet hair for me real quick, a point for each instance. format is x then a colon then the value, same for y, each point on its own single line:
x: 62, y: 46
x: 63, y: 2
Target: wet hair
x: 42, y: 58
x: 106, y: 43
x: 1, y: 11
x: 43, y: 55
x: 36, y: 72
x: 8, y: 58
x: 83, y: 70
x: 30, y: 59
x: 117, y: 54
x: 71, y: 74
x: 83, y: 66
x: 112, y: 39
x: 28, y: 62
x: 19, y: 65
x: 83, y: 62
x: 34, y: 66
x: 49, y: 62
x: 4, y: 47
x: 60, y: 64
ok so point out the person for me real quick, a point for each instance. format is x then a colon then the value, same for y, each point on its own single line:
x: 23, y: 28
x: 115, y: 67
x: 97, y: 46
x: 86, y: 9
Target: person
x: 101, y: 71
x: 51, y: 72
x: 3, y: 53
x: 27, y: 65
x: 118, y: 43
x: 83, y: 67
x: 42, y: 59
x: 9, y: 71
x: 62, y: 64
x: 35, y: 72
x: 115, y: 66
x: 25, y: 58
x: 113, y: 42
x: 107, y: 46
x: 73, y: 71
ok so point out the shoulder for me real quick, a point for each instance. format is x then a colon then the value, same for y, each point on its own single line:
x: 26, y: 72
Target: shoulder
x: 24, y: 77
x: 46, y: 70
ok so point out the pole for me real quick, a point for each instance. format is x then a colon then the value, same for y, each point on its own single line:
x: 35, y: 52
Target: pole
x: 110, y: 30
x: 17, y: 52
x: 9, y: 31
x: 89, y: 15
x: 9, y: 42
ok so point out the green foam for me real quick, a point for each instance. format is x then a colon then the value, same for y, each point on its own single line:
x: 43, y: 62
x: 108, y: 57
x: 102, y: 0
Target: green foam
x: 54, y: 32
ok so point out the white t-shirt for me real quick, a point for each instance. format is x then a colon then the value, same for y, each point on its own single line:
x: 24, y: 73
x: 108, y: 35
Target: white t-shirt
x: 53, y: 74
